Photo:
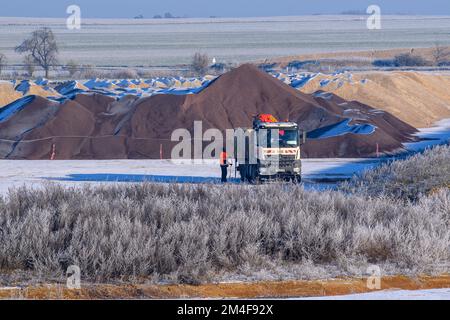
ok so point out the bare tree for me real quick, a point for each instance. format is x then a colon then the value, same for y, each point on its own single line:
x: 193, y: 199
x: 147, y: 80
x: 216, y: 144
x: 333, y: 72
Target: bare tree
x: 440, y: 54
x: 2, y: 62
x: 30, y: 65
x: 200, y: 63
x: 41, y: 45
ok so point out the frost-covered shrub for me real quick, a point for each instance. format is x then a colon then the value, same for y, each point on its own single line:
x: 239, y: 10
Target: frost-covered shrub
x: 407, y: 179
x: 194, y: 232
x: 126, y: 73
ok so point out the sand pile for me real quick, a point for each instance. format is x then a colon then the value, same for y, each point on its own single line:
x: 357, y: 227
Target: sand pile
x: 96, y: 126
x: 40, y: 88
x: 11, y: 91
x: 117, y: 88
x: 419, y: 99
x: 7, y: 93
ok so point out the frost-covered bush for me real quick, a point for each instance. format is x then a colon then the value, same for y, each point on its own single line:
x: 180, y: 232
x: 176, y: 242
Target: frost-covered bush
x: 126, y: 73
x: 192, y: 233
x: 200, y: 63
x: 396, y: 216
x: 407, y: 179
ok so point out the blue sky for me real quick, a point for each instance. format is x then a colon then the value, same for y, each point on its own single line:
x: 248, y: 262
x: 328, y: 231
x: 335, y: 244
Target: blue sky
x: 223, y: 8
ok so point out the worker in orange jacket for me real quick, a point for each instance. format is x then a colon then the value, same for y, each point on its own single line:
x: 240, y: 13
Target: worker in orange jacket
x: 224, y: 165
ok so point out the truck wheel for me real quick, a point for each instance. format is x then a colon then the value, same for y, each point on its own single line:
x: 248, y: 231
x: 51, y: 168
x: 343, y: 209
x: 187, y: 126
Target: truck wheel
x: 253, y: 176
x: 243, y: 172
x: 297, y: 179
x: 257, y: 179
x: 242, y: 176
x: 248, y: 174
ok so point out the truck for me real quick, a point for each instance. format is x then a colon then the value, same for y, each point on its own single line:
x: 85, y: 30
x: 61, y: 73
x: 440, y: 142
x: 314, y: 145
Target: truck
x: 270, y: 150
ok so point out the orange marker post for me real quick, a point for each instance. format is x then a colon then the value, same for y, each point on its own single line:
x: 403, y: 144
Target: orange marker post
x: 53, y: 156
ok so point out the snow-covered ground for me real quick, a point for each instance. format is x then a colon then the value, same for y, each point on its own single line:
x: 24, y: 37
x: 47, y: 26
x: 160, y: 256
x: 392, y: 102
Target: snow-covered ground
x: 431, y: 294
x: 317, y: 173
x: 169, y: 42
x: 435, y: 135
x: 15, y: 173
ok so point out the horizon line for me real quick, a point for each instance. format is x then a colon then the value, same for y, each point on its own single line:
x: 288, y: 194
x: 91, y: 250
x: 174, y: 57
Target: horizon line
x: 233, y: 17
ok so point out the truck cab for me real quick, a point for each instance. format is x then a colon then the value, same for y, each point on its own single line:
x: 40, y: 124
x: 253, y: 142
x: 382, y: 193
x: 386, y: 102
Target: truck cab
x: 272, y: 151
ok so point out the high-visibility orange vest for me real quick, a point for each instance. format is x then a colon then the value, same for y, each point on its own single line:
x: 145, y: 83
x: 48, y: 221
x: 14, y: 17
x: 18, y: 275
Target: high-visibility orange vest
x: 223, y: 158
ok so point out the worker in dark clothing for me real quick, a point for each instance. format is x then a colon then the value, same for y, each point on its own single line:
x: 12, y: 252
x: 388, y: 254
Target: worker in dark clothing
x: 224, y: 165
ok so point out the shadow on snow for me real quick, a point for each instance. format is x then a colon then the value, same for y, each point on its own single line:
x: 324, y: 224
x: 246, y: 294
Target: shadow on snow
x: 114, y: 177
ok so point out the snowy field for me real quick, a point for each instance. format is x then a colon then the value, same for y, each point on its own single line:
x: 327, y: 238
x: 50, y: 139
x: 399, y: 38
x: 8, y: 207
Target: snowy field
x: 16, y: 173
x: 435, y: 135
x: 431, y: 294
x: 317, y: 173
x: 169, y: 42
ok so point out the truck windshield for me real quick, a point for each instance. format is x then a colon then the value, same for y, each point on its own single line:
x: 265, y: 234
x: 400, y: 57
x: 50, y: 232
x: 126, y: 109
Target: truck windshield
x: 287, y: 138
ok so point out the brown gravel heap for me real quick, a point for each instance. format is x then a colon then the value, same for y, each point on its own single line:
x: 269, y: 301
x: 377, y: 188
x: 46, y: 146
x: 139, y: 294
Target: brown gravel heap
x: 99, y: 127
